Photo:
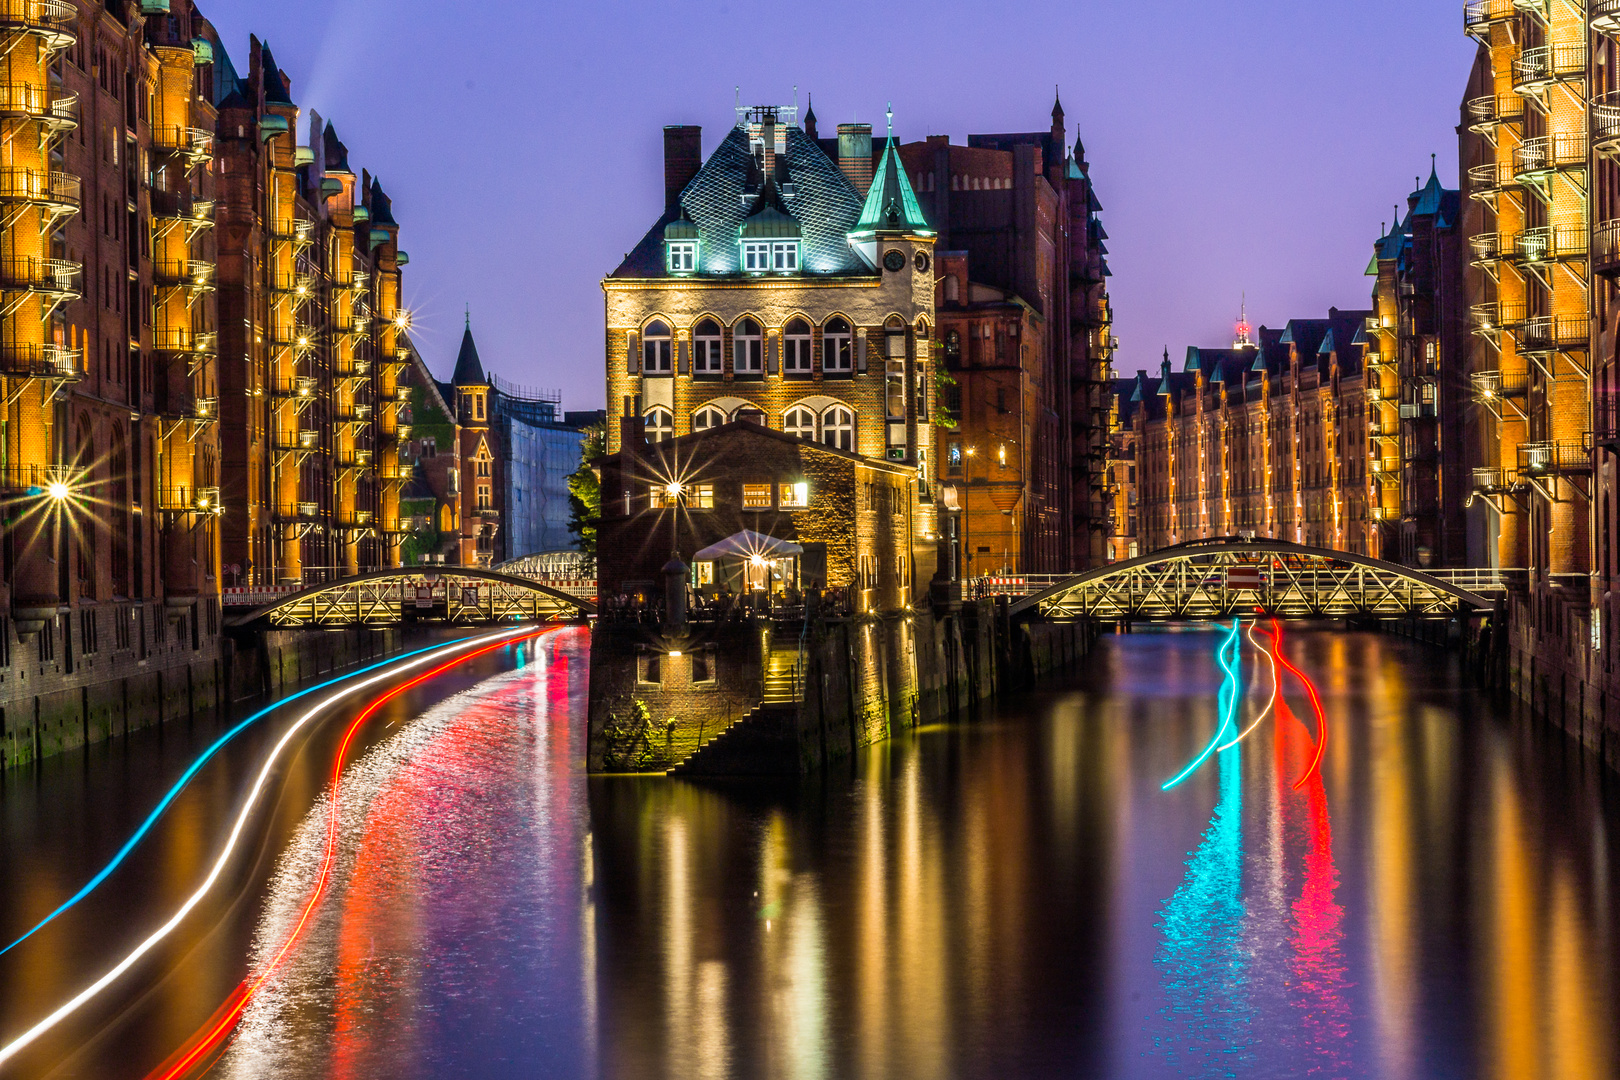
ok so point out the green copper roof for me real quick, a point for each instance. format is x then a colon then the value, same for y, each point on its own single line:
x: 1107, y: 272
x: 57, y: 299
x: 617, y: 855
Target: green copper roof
x: 891, y: 205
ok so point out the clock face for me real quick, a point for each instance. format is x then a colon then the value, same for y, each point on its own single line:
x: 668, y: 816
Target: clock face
x: 894, y: 261
x: 921, y: 262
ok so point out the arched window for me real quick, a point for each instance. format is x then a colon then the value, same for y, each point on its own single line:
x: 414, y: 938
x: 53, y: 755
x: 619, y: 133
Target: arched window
x: 655, y: 348
x: 838, y: 428
x: 706, y: 348
x: 837, y: 348
x: 660, y: 425
x: 707, y: 417
x: 747, y: 349
x: 748, y: 414
x: 796, y: 348
x: 801, y: 422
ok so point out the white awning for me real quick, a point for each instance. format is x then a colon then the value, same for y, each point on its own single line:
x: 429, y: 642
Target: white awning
x: 746, y: 545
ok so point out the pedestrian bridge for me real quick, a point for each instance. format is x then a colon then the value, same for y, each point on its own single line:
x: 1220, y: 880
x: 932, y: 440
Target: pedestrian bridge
x: 1214, y: 579
x: 460, y: 596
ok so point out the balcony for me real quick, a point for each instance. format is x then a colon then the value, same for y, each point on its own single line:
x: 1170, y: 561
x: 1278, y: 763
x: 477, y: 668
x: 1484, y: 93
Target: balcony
x: 1491, y: 385
x: 186, y: 405
x: 1606, y: 421
x: 1480, y: 15
x: 1555, y: 333
x: 297, y: 512
x: 50, y: 20
x: 1549, y: 243
x: 59, y: 191
x: 193, y: 275
x: 33, y: 101
x: 355, y: 519
x: 183, y: 206
x: 303, y: 389
x: 1487, y: 318
x: 489, y: 513
x: 1486, y: 181
x: 190, y: 500
x: 24, y: 361
x: 1491, y: 481
x: 1606, y: 248
x: 1488, y: 247
x: 183, y: 339
x: 1555, y: 458
x: 355, y: 459
x: 47, y: 277
x: 289, y: 440
x: 1487, y: 113
x: 1604, y: 16
x: 1535, y: 158
x: 302, y: 338
x: 193, y: 144
x: 1538, y: 68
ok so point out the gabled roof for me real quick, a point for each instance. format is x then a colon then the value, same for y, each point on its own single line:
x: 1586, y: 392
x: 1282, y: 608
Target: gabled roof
x: 382, y: 207
x: 767, y: 220
x: 469, y: 370
x: 335, y: 153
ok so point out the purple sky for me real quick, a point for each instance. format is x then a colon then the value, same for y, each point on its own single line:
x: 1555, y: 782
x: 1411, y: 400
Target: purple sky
x: 1246, y: 145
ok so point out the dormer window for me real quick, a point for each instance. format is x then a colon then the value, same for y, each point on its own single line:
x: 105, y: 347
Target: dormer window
x: 785, y: 256
x: 682, y: 256
x: 756, y: 257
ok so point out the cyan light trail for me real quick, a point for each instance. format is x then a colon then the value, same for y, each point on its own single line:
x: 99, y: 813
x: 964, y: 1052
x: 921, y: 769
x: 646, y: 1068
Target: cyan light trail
x: 1207, y: 1023
x: 1261, y: 649
x: 1228, y: 702
x: 185, y: 778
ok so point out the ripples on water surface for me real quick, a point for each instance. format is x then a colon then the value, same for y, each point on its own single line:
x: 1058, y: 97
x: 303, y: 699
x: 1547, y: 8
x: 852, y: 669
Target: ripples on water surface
x: 1012, y: 897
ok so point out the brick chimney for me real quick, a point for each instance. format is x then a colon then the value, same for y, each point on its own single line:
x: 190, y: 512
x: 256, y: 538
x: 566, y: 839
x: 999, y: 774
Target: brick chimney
x: 767, y: 135
x: 855, y: 155
x: 683, y: 157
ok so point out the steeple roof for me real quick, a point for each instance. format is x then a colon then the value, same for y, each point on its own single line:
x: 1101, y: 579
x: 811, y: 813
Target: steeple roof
x: 275, y: 87
x: 382, y: 207
x: 469, y: 370
x: 1431, y: 197
x: 891, y: 205
x: 336, y: 154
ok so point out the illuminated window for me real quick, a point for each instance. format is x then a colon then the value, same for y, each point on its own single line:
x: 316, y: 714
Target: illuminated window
x: 953, y: 345
x: 756, y: 256
x: 953, y: 458
x: 659, y: 425
x: 700, y: 497
x: 800, y: 422
x: 483, y: 496
x: 706, y: 349
x: 682, y: 256
x: 837, y: 348
x: 707, y: 417
x: 756, y: 496
x: 796, y: 348
x: 795, y: 496
x: 747, y: 349
x: 655, y: 349
x: 838, y: 428
x: 784, y: 255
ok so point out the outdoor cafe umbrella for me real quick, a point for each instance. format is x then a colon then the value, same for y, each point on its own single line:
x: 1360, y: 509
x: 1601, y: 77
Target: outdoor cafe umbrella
x: 746, y: 545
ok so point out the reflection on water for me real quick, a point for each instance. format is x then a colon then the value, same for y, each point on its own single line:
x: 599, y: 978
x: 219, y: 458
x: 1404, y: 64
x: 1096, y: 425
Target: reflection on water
x: 1012, y: 896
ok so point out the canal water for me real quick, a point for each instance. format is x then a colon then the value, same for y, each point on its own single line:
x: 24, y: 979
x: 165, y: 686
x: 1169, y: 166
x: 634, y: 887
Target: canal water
x: 1012, y: 895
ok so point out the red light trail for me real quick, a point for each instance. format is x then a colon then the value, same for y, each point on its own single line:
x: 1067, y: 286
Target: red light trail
x: 225, y: 1018
x: 1316, y: 704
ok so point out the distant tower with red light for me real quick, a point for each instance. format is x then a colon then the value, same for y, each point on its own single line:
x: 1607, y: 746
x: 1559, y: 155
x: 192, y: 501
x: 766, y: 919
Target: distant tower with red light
x: 1244, y: 338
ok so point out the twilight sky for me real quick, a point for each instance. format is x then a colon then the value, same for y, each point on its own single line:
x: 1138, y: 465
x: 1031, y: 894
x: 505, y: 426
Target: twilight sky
x: 1240, y: 145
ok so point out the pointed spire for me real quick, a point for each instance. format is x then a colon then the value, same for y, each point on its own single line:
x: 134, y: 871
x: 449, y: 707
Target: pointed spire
x: 1244, y: 338
x: 889, y: 112
x: 891, y: 204
x: 469, y: 317
x: 810, y: 115
x: 1057, y: 105
x: 469, y: 369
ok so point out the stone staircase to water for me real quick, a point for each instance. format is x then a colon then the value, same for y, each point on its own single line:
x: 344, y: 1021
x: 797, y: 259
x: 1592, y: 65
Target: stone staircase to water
x: 764, y: 741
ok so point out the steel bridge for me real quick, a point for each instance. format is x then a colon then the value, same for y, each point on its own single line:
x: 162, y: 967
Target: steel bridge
x: 1213, y: 579
x: 460, y: 595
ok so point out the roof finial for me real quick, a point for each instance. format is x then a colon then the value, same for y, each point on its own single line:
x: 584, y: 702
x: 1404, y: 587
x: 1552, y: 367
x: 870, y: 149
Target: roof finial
x: 469, y: 315
x: 890, y: 113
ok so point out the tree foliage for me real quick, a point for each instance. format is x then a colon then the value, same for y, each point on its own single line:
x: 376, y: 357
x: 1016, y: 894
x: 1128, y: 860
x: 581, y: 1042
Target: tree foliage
x: 585, y: 488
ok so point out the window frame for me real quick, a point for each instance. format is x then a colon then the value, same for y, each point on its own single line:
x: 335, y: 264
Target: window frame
x: 681, y: 256
x: 708, y: 349
x: 838, y: 426
x: 756, y: 256
x: 784, y: 256
x: 793, y: 494
x: 797, y: 349
x: 709, y: 411
x: 657, y: 349
x: 750, y: 495
x: 661, y: 432
x: 838, y: 345
x: 749, y: 346
x: 791, y: 426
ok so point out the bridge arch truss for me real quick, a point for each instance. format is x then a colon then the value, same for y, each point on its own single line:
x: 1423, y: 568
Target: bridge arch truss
x: 461, y: 595
x: 1218, y: 579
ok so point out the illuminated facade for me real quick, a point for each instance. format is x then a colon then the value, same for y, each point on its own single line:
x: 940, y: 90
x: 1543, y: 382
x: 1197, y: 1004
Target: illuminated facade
x: 1417, y: 347
x: 1266, y: 438
x: 312, y: 342
x: 1025, y: 338
x: 773, y: 291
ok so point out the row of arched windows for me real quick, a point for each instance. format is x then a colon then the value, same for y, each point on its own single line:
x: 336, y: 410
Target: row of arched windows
x: 833, y: 426
x: 748, y: 347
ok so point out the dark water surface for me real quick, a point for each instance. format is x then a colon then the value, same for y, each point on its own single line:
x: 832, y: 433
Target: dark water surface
x: 1006, y: 897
